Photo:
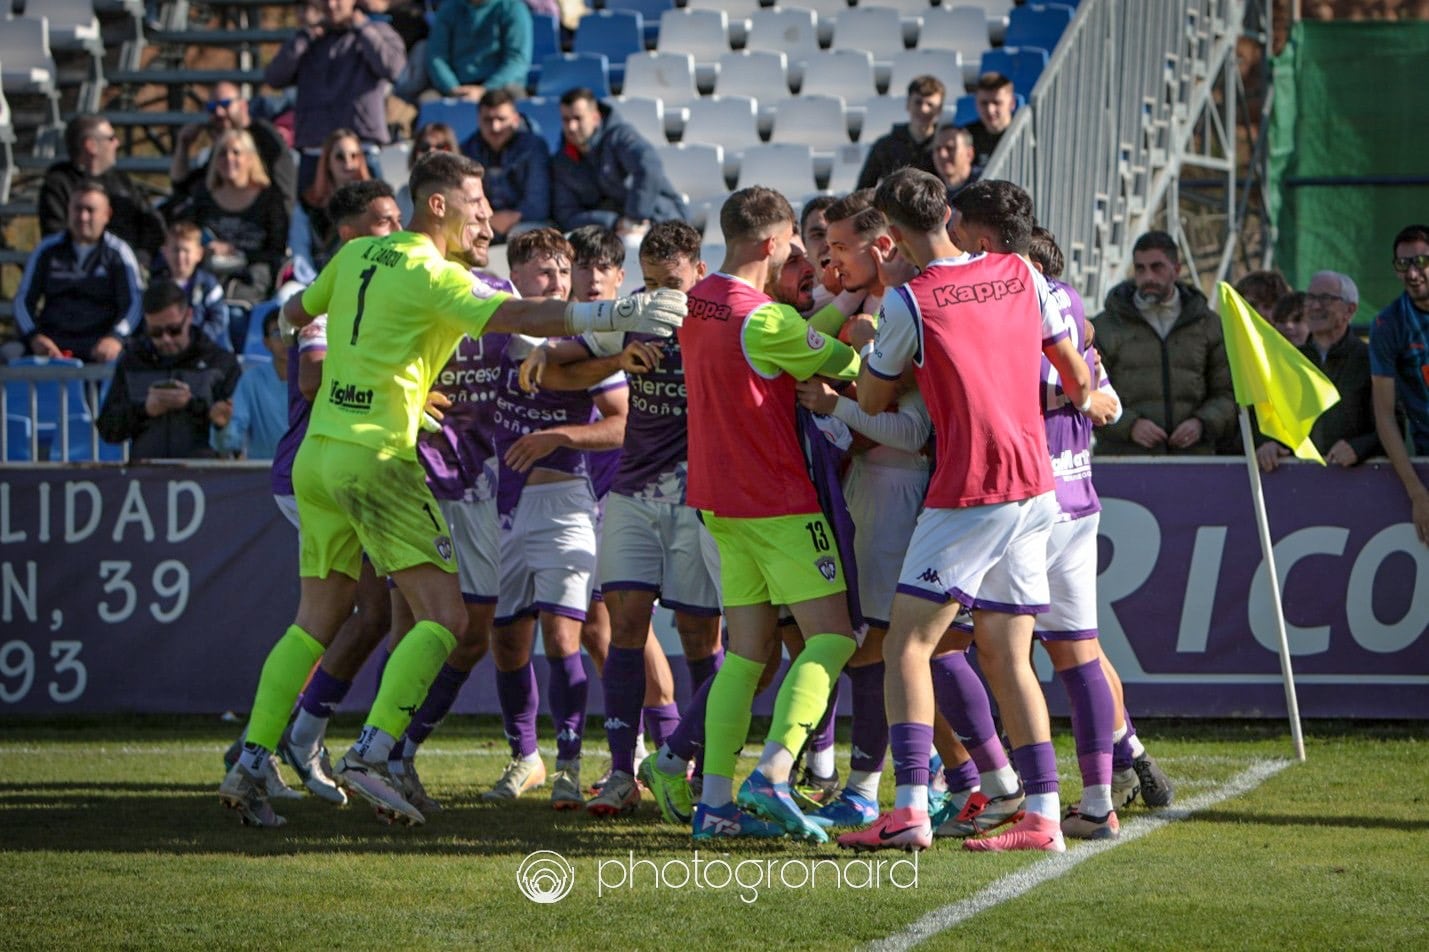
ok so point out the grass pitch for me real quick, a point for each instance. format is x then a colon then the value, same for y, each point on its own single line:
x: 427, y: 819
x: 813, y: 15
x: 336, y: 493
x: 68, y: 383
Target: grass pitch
x: 111, y: 837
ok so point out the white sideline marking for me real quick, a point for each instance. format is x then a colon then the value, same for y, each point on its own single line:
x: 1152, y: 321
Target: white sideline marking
x: 1059, y: 864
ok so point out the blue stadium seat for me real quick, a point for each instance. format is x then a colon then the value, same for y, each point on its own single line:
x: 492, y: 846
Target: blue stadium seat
x: 1022, y: 65
x: 649, y: 10
x: 965, y: 111
x: 544, y: 117
x: 1040, y: 26
x: 616, y: 34
x: 457, y: 113
x: 545, y: 41
x: 571, y: 70
x: 46, y: 421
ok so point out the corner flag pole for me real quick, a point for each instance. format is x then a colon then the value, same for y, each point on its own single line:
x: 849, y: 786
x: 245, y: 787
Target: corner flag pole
x: 1262, y: 523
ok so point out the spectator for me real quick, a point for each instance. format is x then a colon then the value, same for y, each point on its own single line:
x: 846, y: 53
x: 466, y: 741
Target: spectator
x: 244, y: 217
x: 1289, y: 318
x: 479, y: 45
x: 227, y: 109
x: 996, y: 101
x: 93, y: 149
x: 433, y: 137
x: 343, y: 64
x: 183, y: 261
x: 170, y: 385
x: 953, y: 159
x: 607, y: 174
x: 910, y: 143
x: 88, y: 280
x: 260, y: 403
x: 518, y: 166
x: 1399, y: 365
x: 1262, y: 290
x: 1345, y: 433
x: 1162, y: 345
x: 312, y: 237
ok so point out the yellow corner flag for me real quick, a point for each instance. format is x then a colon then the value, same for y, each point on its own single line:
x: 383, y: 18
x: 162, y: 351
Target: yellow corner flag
x: 1287, y: 391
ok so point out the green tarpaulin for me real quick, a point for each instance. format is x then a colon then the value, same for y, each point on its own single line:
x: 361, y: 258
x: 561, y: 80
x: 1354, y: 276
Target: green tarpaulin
x: 1349, y: 151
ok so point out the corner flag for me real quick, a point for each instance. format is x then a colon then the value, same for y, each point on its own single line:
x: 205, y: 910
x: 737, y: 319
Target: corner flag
x: 1270, y: 374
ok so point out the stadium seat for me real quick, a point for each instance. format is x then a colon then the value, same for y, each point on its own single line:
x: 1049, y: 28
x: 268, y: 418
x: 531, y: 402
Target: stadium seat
x: 544, y: 117
x: 669, y: 77
x: 650, y: 13
x: 73, y: 24
x: 573, y: 70
x: 48, y: 407
x: 392, y: 163
x: 876, y: 29
x: 728, y: 121
x: 614, y: 33
x: 704, y: 34
x: 697, y: 170
x: 787, y: 167
x: 28, y: 65
x: 828, y: 12
x: 995, y: 12
x: 815, y: 121
x: 646, y: 115
x: 1040, y: 26
x: 846, y: 73
x: 460, y: 114
x: 761, y: 75
x: 946, y: 65
x: 965, y: 111
x: 1022, y: 65
x: 961, y: 29
x: 738, y: 12
x: 545, y: 41
x: 879, y: 115
x: 848, y: 162
x: 787, y: 30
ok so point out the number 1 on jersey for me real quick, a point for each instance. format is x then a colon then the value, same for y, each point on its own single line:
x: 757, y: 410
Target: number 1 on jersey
x: 366, y: 277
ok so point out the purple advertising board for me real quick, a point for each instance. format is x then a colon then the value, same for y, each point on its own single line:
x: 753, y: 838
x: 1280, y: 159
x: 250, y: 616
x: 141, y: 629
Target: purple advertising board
x: 161, y: 588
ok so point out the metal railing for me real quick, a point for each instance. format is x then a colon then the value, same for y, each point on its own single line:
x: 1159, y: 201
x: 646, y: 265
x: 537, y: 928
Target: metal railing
x: 50, y: 413
x: 1122, y: 101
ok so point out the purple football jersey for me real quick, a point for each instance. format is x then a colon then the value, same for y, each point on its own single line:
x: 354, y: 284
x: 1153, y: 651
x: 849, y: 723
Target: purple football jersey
x: 1069, y: 432
x: 312, y: 339
x: 654, y: 463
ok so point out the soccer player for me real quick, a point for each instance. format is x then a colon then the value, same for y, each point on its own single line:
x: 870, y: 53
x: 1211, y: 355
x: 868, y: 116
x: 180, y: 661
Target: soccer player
x: 548, y: 553
x: 743, y: 356
x: 461, y: 466
x: 396, y: 310
x: 970, y: 326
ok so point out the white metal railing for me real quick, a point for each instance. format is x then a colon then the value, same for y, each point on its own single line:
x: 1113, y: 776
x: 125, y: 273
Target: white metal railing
x: 1100, y: 143
x: 50, y: 413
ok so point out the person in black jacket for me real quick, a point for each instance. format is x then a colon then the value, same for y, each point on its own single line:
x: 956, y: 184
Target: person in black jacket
x: 79, y: 295
x: 910, y: 143
x: 170, y: 384
x: 228, y: 109
x: 93, y: 149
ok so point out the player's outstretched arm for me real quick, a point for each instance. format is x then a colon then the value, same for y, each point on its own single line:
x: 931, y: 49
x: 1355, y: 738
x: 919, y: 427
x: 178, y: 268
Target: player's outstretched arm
x: 657, y: 312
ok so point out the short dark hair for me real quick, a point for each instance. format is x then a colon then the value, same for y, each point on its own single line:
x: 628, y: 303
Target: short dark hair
x: 1410, y: 233
x: 1002, y: 206
x: 538, y: 243
x: 912, y: 199
x: 353, y: 199
x: 857, y: 207
x: 1263, y: 286
x: 992, y: 81
x: 595, y: 247
x: 492, y: 98
x: 270, y: 320
x: 161, y: 295
x: 571, y: 96
x: 1042, y: 249
x: 818, y: 203
x: 1158, y: 241
x: 81, y: 127
x: 85, y: 186
x: 1291, y: 305
x: 751, y: 210
x: 670, y: 241
x: 926, y: 85
x: 440, y: 171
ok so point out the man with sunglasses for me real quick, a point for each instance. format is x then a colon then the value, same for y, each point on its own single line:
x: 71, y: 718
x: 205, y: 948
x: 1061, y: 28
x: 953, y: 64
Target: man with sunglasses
x: 1399, y: 366
x: 93, y: 149
x: 227, y: 109
x: 170, y: 384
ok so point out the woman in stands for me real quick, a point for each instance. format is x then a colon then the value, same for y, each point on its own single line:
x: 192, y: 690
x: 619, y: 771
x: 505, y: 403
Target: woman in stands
x: 313, y: 237
x: 244, y: 218
x: 433, y: 137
